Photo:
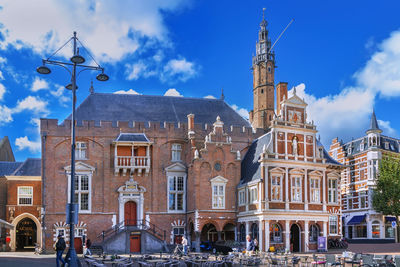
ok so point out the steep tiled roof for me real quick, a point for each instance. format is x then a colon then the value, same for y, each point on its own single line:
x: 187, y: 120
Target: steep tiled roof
x: 251, y: 169
x: 7, y: 168
x: 361, y: 144
x: 132, y: 137
x: 30, y: 167
x: 144, y: 108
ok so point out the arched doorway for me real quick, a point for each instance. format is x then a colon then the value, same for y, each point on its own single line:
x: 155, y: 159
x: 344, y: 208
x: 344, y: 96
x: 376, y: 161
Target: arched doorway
x: 25, y: 234
x: 209, y: 233
x: 228, y: 232
x: 130, y: 213
x: 295, y: 238
x: 254, y: 231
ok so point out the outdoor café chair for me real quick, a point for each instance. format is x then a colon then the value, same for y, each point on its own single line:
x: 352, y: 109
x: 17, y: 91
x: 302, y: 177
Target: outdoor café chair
x: 331, y: 260
x: 368, y: 260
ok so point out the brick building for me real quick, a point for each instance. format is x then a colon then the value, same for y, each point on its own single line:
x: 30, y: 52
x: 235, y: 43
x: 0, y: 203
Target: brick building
x: 150, y: 169
x: 156, y: 166
x: 24, y: 205
x: 362, y: 156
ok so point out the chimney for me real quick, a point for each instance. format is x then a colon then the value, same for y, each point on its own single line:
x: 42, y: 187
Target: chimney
x: 191, y: 132
x: 281, y: 93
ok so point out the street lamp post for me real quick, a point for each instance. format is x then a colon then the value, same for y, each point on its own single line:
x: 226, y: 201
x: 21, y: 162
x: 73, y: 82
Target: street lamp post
x: 72, y: 207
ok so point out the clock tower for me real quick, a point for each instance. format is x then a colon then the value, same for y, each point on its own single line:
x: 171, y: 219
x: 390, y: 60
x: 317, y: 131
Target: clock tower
x: 263, y: 80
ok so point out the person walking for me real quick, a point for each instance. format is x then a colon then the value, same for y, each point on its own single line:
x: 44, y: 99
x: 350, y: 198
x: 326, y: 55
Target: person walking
x: 250, y: 245
x: 59, y: 247
x: 184, y: 244
x: 88, y: 245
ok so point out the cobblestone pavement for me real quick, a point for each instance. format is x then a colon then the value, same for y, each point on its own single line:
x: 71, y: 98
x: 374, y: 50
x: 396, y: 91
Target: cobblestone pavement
x: 391, y: 248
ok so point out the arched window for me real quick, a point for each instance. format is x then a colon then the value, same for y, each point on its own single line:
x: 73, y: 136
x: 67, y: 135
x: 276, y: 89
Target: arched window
x: 242, y: 232
x: 254, y: 231
x: 276, y: 233
x: 314, y: 233
x: 376, y: 229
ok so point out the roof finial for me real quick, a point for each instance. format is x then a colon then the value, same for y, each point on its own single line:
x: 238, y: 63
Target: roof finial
x: 264, y: 13
x: 294, y: 90
x: 91, y: 89
x: 222, y: 94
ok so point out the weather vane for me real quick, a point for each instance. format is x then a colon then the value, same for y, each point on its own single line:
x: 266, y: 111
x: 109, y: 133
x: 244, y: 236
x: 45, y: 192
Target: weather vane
x: 264, y: 12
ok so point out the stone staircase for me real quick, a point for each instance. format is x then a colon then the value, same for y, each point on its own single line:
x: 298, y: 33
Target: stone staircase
x: 117, y: 238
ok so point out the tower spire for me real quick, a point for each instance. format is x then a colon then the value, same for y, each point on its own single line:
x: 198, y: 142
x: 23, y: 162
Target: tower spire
x: 222, y: 94
x: 373, y: 124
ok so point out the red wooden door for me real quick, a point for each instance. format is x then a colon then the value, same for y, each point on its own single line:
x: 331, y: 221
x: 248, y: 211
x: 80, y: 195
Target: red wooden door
x: 135, y: 243
x: 78, y: 245
x: 130, y: 213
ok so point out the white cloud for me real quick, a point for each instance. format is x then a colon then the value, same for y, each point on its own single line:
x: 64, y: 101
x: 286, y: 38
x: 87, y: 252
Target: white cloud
x: 5, y: 115
x: 1, y: 75
x: 32, y: 103
x: 39, y: 84
x: 381, y: 73
x: 2, y: 91
x: 2, y: 60
x: 210, y: 97
x: 111, y: 32
x: 387, y: 129
x: 241, y: 111
x: 134, y: 71
x: 173, y: 92
x: 179, y: 69
x: 128, y: 92
x: 24, y: 143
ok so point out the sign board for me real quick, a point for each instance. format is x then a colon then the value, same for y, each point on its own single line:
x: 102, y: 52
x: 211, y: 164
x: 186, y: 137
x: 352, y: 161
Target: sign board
x: 322, y: 243
x: 394, y: 224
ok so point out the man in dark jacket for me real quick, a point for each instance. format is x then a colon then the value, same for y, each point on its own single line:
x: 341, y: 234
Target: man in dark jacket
x: 60, y: 246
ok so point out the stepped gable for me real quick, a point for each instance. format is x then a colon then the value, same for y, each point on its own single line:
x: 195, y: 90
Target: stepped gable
x: 147, y: 108
x: 251, y: 169
x: 30, y: 167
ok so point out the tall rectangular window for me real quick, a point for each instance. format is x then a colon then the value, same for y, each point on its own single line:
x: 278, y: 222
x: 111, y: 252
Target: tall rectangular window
x: 242, y: 197
x: 296, y: 188
x: 332, y: 191
x: 82, y: 192
x: 176, y: 152
x: 80, y: 150
x: 25, y: 195
x: 176, y: 191
x: 363, y: 200
x: 218, y: 196
x: 276, y: 188
x: 315, y: 190
x: 253, y: 194
x: 333, y: 225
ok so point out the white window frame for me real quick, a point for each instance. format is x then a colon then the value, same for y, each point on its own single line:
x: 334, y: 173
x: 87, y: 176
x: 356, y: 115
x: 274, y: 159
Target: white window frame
x: 333, y: 219
x: 25, y: 196
x: 315, y: 190
x: 362, y: 196
x: 61, y: 229
x: 81, y: 150
x: 176, y: 192
x: 253, y: 195
x: 333, y: 191
x: 219, y: 183
x: 275, y: 187
x: 79, y: 191
x: 242, y: 197
x: 176, y: 152
x: 296, y: 189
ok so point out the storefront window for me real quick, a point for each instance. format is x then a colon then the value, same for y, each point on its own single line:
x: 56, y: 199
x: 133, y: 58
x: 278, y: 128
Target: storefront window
x: 361, y: 231
x: 376, y: 231
x: 389, y: 230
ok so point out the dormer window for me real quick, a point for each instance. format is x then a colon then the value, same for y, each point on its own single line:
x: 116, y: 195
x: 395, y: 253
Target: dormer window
x: 386, y: 145
x: 362, y: 146
x: 349, y: 150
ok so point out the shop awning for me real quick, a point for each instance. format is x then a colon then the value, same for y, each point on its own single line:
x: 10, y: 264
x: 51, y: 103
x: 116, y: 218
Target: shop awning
x: 356, y: 220
x: 6, y: 224
x: 390, y: 219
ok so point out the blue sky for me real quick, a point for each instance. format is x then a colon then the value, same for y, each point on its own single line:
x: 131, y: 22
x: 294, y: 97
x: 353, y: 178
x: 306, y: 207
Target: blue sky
x: 343, y: 57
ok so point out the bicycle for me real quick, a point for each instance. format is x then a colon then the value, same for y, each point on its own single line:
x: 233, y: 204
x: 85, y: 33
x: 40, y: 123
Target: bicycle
x: 38, y: 249
x: 178, y: 251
